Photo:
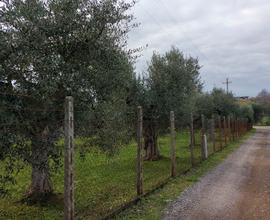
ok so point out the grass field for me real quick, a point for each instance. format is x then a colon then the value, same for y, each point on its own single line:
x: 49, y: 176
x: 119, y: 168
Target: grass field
x: 102, y: 183
x: 265, y: 121
x: 152, y: 207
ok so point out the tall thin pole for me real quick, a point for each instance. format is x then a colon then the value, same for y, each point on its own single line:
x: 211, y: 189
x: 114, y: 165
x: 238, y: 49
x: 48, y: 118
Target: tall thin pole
x: 229, y: 129
x: 192, y: 140
x: 69, y: 154
x: 227, y: 82
x: 233, y: 128
x: 220, y: 132
x: 203, y: 130
x: 139, y: 152
x: 213, y: 132
x: 225, y: 130
x: 173, y: 154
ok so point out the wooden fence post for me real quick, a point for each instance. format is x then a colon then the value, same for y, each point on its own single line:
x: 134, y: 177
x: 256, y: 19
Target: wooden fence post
x: 240, y: 126
x: 139, y: 152
x: 237, y: 127
x: 213, y: 132
x: 192, y: 140
x: 220, y: 132
x: 241, y: 121
x: 229, y: 129
x: 68, y: 163
x: 234, y: 128
x: 224, y: 130
x: 244, y: 126
x: 205, y: 146
x: 202, y: 137
x: 173, y: 153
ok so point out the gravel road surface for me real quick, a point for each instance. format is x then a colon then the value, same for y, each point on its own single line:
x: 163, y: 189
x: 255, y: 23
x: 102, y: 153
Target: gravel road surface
x: 239, y: 188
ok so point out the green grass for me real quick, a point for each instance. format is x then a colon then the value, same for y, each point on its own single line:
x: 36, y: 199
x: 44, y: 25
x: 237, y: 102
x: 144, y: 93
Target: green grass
x: 152, y: 207
x: 265, y: 121
x: 102, y: 183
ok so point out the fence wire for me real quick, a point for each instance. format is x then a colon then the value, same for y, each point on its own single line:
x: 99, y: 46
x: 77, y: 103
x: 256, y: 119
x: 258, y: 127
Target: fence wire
x: 105, y: 181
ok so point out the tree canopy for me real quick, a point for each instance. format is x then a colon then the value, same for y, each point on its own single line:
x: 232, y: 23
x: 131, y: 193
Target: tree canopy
x: 216, y: 102
x: 172, y: 82
x: 51, y: 49
x: 57, y: 48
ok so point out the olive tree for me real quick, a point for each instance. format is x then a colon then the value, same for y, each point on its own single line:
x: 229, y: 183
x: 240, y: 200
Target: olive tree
x: 172, y: 82
x: 51, y: 49
x: 218, y: 102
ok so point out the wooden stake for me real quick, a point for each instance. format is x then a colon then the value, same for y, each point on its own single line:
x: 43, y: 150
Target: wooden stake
x: 202, y: 138
x: 139, y: 152
x: 173, y: 154
x: 69, y: 154
x: 220, y: 132
x: 229, y: 129
x: 205, y: 145
x: 234, y: 128
x: 224, y: 130
x: 237, y: 127
x: 192, y: 140
x: 213, y: 135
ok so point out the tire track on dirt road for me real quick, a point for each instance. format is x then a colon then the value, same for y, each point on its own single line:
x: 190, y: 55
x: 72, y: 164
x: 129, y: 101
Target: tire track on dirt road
x: 238, y: 188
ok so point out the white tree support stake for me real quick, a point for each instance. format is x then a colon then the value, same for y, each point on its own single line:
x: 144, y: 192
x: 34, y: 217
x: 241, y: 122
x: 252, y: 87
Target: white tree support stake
x: 205, y: 146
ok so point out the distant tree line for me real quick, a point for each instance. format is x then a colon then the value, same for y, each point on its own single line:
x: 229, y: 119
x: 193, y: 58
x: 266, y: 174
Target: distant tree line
x: 261, y: 107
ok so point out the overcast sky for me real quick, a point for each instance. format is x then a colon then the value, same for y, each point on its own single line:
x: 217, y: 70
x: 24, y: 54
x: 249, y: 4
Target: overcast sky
x: 231, y: 38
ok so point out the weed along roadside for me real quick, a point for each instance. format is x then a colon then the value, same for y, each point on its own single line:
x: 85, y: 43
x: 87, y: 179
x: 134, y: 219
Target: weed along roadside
x: 153, y: 206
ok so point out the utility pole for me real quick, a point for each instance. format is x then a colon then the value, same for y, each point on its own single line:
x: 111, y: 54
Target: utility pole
x: 227, y: 84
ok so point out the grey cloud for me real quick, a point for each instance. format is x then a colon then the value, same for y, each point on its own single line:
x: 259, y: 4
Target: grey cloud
x: 230, y: 38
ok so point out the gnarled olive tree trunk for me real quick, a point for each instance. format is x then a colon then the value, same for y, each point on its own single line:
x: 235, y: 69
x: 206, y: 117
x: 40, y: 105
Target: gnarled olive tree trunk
x: 150, y: 141
x: 41, y: 186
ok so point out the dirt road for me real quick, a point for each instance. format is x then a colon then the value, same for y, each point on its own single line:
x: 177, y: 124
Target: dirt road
x: 239, y: 188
